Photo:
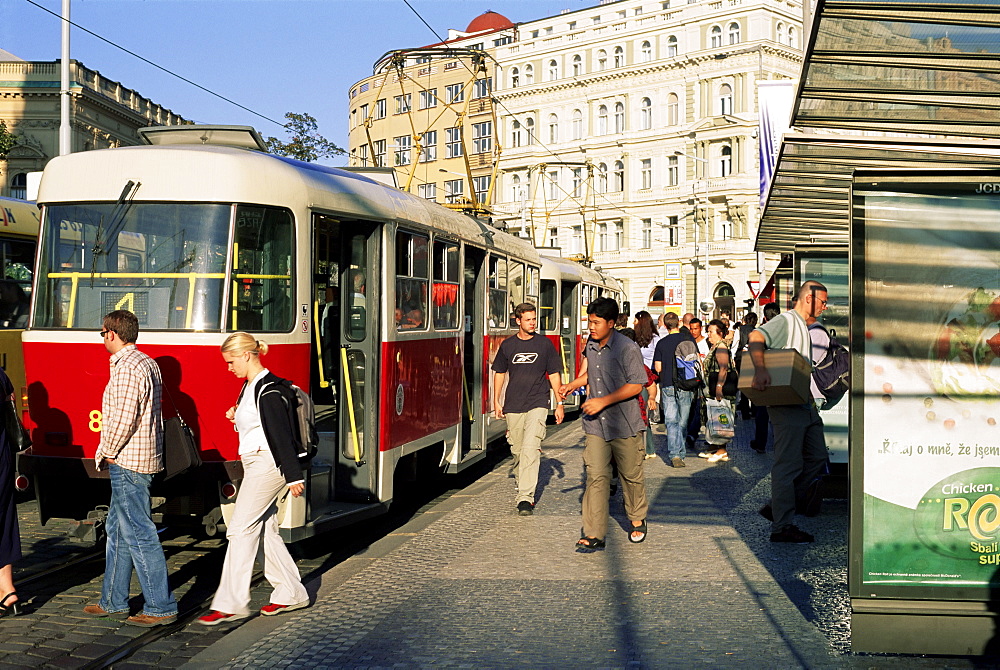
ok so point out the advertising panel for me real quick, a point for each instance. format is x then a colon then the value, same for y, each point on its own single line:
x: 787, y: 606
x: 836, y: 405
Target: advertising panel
x: 925, y: 264
x: 673, y: 287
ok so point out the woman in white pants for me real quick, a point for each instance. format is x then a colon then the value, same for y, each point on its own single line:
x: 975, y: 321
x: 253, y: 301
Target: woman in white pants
x: 264, y: 416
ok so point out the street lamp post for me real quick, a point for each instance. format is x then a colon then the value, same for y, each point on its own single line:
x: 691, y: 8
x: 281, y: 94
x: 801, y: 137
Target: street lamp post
x: 705, y: 305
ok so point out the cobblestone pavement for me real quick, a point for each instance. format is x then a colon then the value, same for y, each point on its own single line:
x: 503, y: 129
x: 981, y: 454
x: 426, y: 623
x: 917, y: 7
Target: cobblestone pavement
x: 475, y: 585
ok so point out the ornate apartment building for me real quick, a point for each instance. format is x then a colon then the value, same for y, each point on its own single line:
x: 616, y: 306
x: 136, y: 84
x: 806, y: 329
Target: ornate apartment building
x: 624, y: 133
x: 103, y: 114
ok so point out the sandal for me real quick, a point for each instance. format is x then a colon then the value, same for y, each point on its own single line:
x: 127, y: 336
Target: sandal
x: 9, y: 610
x: 641, y: 528
x: 588, y: 544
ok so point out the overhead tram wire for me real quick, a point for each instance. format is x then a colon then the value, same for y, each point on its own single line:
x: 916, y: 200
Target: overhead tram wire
x: 159, y: 67
x: 499, y: 103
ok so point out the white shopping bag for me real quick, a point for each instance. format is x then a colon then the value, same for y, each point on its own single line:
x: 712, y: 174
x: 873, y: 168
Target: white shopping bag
x: 721, y: 423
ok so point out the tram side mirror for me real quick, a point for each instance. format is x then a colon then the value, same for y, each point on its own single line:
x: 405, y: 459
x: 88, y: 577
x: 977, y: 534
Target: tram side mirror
x: 626, y: 308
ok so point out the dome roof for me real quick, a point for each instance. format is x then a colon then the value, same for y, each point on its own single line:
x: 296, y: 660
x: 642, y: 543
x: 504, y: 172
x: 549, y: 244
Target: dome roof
x: 489, y: 20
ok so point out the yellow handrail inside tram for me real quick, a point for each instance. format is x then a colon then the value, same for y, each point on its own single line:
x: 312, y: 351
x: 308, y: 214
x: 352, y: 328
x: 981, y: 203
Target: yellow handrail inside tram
x: 323, y: 383
x: 350, y: 405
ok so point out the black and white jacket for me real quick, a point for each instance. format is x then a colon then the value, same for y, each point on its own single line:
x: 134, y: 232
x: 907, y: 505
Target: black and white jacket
x: 276, y: 403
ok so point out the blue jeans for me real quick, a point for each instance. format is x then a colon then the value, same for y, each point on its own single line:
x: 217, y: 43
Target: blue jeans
x: 676, y: 406
x: 133, y: 542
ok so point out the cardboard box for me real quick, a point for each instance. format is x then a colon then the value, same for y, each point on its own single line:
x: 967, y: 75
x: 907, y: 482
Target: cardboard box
x: 790, y: 375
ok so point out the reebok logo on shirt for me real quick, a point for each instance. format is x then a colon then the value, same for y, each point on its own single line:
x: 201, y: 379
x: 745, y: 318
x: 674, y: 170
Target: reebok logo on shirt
x: 523, y: 358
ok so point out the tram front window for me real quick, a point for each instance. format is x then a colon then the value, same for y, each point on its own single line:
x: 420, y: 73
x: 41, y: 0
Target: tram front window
x: 165, y: 262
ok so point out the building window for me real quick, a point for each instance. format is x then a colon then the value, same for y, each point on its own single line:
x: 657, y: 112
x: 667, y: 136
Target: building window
x: 553, y: 70
x: 716, y: 37
x: 529, y: 74
x: 619, y: 57
x: 791, y: 37
x: 726, y: 161
x: 673, y: 110
x: 602, y: 120
x: 364, y: 113
x: 429, y: 151
x: 734, y: 33
x: 672, y: 45
x: 516, y: 192
x: 673, y: 232
x: 534, y: 34
x: 19, y: 186
x: 482, y: 137
x: 645, y: 114
x: 402, y: 154
x: 481, y: 185
x: 577, y: 65
x: 725, y: 230
x: 553, y: 128
x: 725, y: 99
x: 380, y: 109
x: 455, y: 93
x: 553, y: 184
x: 553, y: 237
x: 577, y: 182
x: 378, y: 153
x: 506, y: 39
x: 453, y: 191
x: 529, y: 128
x: 618, y: 236
x: 363, y: 154
x: 577, y: 124
x: 646, y: 172
x: 572, y: 25
x: 515, y: 76
x: 602, y: 60
x: 646, y: 52
x: 647, y: 234
x: 780, y: 32
x: 427, y: 191
x: 403, y: 103
x: 673, y: 171
x: 618, y: 177
x: 602, y: 237
x: 595, y: 20
x: 453, y: 142
x: 428, y: 98
x: 619, y: 118
x: 516, y: 139
x: 602, y: 178
x: 482, y: 88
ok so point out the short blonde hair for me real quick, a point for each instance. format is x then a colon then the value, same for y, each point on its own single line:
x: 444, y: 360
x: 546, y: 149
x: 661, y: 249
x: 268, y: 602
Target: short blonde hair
x: 240, y: 342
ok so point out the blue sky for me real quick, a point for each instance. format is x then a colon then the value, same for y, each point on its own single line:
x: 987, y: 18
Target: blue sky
x: 272, y: 56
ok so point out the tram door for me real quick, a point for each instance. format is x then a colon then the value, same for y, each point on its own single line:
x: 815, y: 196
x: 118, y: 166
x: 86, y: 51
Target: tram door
x: 569, y: 294
x: 474, y: 291
x: 345, y: 347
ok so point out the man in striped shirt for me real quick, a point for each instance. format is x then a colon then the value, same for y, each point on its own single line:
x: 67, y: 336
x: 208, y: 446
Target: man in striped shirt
x: 131, y: 448
x: 799, y: 446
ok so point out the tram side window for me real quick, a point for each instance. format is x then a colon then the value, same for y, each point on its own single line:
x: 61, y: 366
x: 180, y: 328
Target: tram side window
x: 499, y: 313
x: 411, y: 281
x: 445, y: 285
x: 547, y: 306
x: 532, y: 288
x: 515, y: 283
x: 16, y: 259
x: 262, y: 270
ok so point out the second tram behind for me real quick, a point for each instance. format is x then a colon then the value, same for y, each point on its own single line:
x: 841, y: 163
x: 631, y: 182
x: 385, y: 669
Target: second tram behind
x: 385, y: 307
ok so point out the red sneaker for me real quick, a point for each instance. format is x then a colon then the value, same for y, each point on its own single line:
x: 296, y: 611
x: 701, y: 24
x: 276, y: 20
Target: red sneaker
x: 273, y: 608
x: 214, y: 618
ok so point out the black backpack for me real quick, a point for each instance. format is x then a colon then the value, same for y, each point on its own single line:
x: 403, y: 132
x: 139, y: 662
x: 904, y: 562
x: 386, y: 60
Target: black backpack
x: 305, y: 434
x: 687, y: 366
x: 833, y: 373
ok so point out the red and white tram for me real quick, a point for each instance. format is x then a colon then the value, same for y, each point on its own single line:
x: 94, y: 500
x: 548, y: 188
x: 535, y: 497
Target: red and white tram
x: 385, y: 307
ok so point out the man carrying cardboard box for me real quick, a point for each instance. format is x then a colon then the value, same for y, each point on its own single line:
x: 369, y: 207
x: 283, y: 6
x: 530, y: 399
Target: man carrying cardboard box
x: 799, y: 447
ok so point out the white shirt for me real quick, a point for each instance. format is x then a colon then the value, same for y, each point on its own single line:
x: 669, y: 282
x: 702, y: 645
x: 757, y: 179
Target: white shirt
x: 252, y: 438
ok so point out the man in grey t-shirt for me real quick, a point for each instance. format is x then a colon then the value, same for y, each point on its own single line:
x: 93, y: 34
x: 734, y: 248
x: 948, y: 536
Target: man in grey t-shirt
x: 613, y: 425
x: 529, y: 365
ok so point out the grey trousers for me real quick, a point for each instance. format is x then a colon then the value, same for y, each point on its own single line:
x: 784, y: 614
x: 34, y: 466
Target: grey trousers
x: 527, y: 430
x: 629, y: 454
x: 799, y: 457
x: 256, y: 514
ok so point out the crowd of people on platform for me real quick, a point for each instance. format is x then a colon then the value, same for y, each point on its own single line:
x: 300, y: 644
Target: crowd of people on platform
x: 636, y: 376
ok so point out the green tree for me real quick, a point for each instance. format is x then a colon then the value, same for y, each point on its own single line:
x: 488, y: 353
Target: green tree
x: 6, y: 140
x: 306, y: 143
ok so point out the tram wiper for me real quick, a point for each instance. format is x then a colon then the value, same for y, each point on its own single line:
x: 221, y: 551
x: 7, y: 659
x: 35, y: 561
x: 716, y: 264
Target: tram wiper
x: 116, y: 220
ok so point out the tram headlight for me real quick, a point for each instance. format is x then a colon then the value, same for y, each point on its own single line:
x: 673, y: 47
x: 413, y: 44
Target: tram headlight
x: 21, y: 483
x: 229, y: 490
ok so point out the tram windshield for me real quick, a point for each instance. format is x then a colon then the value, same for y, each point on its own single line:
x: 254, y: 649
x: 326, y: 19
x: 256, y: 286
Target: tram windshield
x: 165, y: 262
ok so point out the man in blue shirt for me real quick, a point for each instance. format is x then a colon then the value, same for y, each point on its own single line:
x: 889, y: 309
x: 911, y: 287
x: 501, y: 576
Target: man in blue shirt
x: 612, y: 423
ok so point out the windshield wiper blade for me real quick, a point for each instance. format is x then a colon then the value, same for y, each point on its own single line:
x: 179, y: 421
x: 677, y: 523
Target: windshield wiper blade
x: 116, y: 219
